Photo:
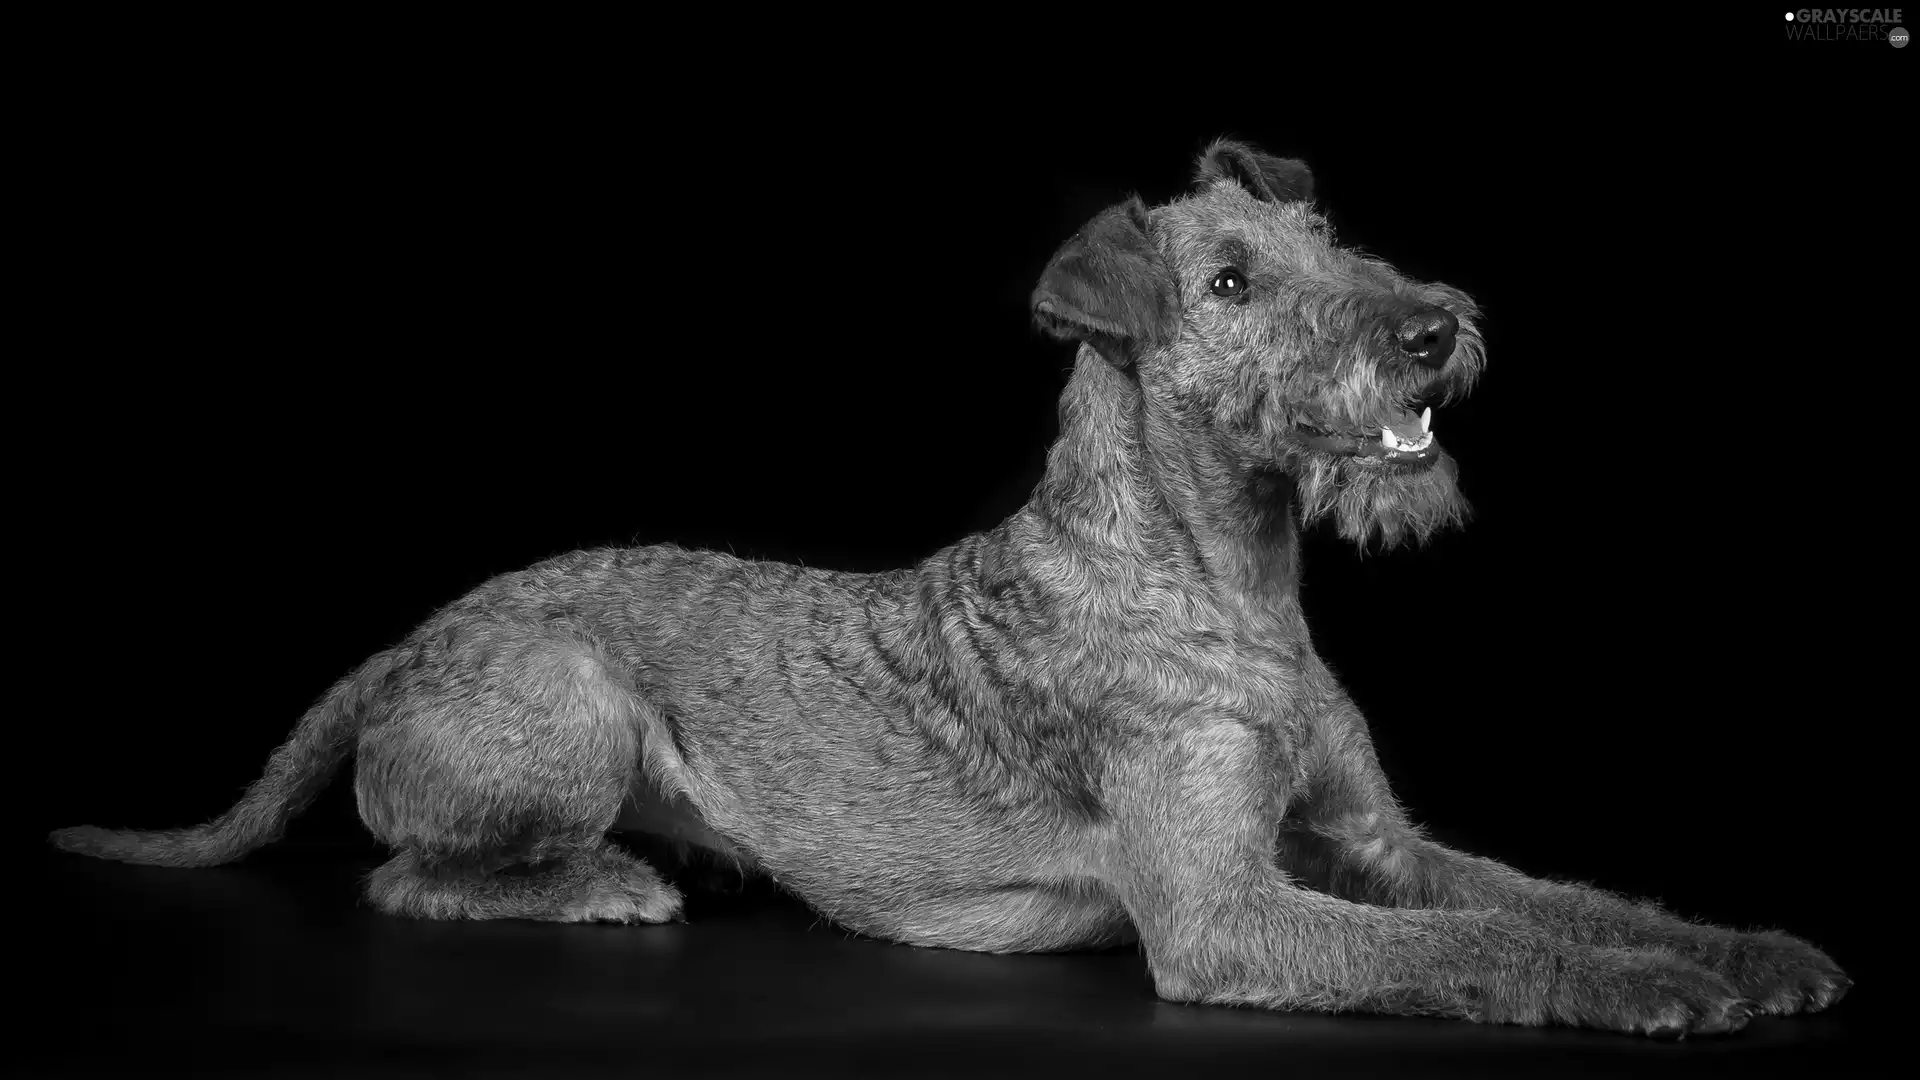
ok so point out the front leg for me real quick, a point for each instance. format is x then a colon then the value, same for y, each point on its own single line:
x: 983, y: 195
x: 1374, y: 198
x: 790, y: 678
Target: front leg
x: 1187, y: 848
x: 1368, y: 851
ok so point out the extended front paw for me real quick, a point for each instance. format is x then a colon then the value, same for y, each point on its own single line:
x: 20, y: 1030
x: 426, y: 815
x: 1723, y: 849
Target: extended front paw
x: 1781, y: 973
x: 1647, y: 993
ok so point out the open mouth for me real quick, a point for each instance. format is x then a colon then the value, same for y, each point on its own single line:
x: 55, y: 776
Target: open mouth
x: 1404, y: 439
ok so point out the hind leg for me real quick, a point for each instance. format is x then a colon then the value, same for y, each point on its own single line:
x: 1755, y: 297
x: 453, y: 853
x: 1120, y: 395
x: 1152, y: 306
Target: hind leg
x: 495, y: 776
x: 598, y: 884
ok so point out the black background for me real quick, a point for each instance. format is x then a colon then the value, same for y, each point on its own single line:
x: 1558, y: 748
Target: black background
x: 317, y: 346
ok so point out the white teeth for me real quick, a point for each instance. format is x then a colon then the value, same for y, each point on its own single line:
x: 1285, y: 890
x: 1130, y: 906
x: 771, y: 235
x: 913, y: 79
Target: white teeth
x: 1394, y: 442
x: 1426, y: 419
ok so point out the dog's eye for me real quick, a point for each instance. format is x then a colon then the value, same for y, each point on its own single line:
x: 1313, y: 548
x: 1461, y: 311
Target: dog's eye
x: 1229, y: 282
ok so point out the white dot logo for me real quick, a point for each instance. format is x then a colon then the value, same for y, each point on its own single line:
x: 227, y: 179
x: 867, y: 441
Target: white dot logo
x: 1789, y: 16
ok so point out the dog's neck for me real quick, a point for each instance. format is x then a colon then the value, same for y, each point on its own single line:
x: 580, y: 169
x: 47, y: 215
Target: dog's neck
x: 1132, y: 477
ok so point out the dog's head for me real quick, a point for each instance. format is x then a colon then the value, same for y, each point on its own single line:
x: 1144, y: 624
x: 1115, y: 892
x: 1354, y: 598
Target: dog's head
x: 1236, y: 312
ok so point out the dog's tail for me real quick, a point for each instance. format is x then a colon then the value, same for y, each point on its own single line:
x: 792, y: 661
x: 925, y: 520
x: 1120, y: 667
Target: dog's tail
x: 296, y: 772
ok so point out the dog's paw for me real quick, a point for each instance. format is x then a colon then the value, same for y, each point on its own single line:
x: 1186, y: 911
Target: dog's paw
x: 623, y: 906
x: 620, y: 888
x: 1649, y: 993
x: 1781, y: 973
x: 627, y: 903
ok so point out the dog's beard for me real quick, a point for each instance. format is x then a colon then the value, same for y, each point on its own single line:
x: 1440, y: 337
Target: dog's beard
x: 1368, y: 501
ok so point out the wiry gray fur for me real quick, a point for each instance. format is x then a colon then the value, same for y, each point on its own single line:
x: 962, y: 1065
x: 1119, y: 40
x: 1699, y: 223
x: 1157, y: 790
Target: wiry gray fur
x: 1102, y: 720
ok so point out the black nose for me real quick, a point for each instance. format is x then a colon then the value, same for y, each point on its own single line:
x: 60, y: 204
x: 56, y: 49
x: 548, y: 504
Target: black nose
x: 1426, y: 337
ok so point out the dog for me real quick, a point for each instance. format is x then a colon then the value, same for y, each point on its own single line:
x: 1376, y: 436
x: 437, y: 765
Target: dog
x: 1102, y: 721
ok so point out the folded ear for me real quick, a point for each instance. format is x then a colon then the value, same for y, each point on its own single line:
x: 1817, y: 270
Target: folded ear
x: 1108, y: 286
x: 1268, y: 178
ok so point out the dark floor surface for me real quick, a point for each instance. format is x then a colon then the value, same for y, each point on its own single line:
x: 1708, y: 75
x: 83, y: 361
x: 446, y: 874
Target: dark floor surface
x: 275, y: 966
